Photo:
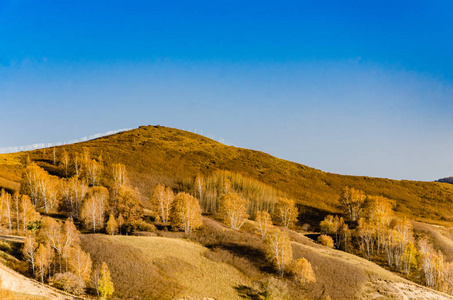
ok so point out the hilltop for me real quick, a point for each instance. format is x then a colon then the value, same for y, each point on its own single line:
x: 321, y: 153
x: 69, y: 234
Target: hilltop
x: 157, y: 154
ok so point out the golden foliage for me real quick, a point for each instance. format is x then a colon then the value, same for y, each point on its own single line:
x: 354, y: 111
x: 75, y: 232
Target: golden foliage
x: 234, y: 210
x: 286, y: 212
x: 112, y: 226
x: 186, y: 213
x: 105, y: 284
x: 325, y: 240
x: 302, y: 271
x: 264, y: 222
x: 278, y: 249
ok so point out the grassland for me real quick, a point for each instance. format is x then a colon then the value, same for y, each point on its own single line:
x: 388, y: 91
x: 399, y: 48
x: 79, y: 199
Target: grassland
x: 163, y: 268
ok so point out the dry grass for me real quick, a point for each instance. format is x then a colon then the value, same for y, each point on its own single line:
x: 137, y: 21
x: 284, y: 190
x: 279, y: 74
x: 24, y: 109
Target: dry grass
x: 162, y: 268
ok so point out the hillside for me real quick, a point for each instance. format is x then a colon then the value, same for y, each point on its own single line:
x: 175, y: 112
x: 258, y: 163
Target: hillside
x: 156, y: 154
x: 222, y: 263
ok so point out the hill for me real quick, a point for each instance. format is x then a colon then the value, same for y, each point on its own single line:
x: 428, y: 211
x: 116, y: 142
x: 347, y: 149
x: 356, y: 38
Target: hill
x: 221, y: 263
x: 156, y: 154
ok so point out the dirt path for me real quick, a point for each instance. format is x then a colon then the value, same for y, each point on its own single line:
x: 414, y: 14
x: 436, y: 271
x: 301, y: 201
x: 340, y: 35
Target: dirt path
x: 16, y: 282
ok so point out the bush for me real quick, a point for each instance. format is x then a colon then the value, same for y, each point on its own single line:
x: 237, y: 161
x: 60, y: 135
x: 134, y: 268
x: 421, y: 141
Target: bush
x: 325, y: 240
x: 68, y: 282
x: 140, y: 225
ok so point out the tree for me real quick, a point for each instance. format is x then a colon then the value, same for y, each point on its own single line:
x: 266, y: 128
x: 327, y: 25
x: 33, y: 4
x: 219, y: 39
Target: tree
x: 28, y: 213
x: 119, y: 175
x: 54, y: 156
x: 65, y: 162
x: 186, y: 213
x: 112, y: 226
x: 409, y: 258
x: 93, y: 171
x: 303, y: 272
x: 93, y: 209
x: 286, y: 212
x: 77, y: 164
x: 80, y: 263
x: 70, y: 239
x: 366, y: 233
x: 29, y: 251
x: 353, y: 201
x: 264, y: 222
x: 51, y: 232
x: 161, y: 201
x: 234, y: 210
x: 43, y: 260
x: 120, y: 222
x: 278, y: 249
x: 105, y: 284
x: 199, y: 186
x: 128, y: 204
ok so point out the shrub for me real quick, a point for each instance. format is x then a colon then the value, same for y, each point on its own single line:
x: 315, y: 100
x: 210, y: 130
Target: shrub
x: 325, y: 240
x: 302, y: 271
x: 68, y: 282
x: 140, y: 225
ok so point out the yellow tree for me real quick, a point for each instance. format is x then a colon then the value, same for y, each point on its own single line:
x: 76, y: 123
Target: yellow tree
x: 94, y: 172
x: 409, y: 258
x: 278, y: 249
x: 29, y: 251
x: 80, y: 263
x: 186, y: 213
x: 128, y: 204
x: 303, y: 272
x: 51, y: 232
x: 264, y: 222
x: 70, y: 239
x: 353, y: 201
x: 286, y: 212
x: 119, y: 175
x: 366, y: 232
x: 28, y: 212
x: 93, y: 209
x: 199, y: 187
x: 43, y: 260
x: 65, y: 162
x: 112, y: 226
x: 161, y: 201
x: 105, y: 283
x: 234, y: 209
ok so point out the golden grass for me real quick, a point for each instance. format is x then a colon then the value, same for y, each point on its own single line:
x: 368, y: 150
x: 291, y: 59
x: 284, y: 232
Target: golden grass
x: 180, y: 268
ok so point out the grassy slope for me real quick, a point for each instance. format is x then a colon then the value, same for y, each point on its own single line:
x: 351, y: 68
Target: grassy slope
x: 173, y: 157
x: 162, y: 268
x: 230, y: 263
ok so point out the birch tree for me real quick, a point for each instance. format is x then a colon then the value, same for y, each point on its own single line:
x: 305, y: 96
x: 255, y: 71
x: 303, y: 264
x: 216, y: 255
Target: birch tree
x: 278, y: 249
x: 234, y: 210
x: 186, y: 213
x: 286, y: 212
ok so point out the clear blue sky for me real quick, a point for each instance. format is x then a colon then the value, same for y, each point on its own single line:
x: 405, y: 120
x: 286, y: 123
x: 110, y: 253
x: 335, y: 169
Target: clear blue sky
x: 350, y: 87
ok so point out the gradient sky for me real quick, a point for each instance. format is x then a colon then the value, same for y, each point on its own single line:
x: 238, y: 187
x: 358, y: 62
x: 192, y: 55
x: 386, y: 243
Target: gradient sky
x: 349, y: 87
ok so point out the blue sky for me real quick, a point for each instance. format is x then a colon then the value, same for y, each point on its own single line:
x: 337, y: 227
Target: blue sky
x: 350, y: 87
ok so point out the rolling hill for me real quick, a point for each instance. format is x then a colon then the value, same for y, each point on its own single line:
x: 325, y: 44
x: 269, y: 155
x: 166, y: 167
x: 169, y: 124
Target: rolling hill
x: 156, y: 154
